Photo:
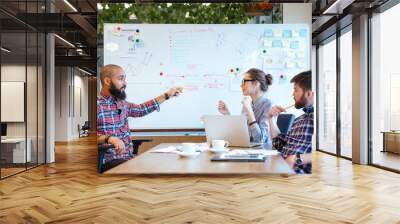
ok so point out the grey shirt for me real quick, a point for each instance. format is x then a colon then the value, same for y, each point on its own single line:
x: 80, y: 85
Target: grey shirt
x: 259, y: 132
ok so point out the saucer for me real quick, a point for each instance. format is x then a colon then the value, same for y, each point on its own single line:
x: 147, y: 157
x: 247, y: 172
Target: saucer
x: 188, y: 155
x: 219, y: 150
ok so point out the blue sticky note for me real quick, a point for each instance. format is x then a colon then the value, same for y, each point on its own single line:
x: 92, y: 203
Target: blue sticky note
x: 294, y: 44
x: 303, y: 33
x: 268, y: 33
x: 276, y: 43
x: 287, y: 33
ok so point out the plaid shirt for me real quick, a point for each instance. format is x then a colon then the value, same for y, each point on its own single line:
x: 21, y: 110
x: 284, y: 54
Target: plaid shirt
x: 298, y: 140
x: 112, y: 119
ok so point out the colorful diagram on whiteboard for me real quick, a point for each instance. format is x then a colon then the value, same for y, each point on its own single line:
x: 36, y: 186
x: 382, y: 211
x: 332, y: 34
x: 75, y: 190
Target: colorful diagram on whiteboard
x: 209, y: 61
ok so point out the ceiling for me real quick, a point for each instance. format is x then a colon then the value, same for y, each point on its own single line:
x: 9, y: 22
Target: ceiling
x: 75, y: 21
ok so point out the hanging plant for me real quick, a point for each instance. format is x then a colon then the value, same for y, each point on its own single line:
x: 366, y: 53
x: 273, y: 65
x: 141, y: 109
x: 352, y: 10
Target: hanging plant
x: 183, y: 13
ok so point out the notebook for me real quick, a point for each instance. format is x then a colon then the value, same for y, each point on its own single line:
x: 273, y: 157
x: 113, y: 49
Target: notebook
x: 238, y: 158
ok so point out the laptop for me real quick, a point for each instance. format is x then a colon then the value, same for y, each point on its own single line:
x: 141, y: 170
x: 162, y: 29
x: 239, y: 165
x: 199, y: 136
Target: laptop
x: 3, y: 131
x: 231, y: 128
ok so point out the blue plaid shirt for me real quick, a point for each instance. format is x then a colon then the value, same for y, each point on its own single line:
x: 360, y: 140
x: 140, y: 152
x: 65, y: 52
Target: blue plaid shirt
x: 298, y: 140
x: 114, y: 123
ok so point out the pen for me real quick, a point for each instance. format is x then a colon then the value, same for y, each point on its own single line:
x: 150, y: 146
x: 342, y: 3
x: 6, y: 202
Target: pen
x: 286, y: 108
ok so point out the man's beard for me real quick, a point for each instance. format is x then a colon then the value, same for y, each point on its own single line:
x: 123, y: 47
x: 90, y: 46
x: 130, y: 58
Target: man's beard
x: 117, y: 93
x: 301, y: 102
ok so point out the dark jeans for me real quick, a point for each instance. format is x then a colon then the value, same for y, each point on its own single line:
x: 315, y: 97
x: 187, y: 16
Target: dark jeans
x: 111, y: 164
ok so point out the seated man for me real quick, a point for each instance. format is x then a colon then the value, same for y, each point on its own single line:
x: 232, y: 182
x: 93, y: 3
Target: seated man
x: 113, y: 112
x: 296, y: 146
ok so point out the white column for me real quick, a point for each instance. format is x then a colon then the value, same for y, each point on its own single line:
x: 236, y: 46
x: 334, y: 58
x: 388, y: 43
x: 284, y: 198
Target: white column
x: 50, y: 92
x: 50, y: 101
x: 360, y: 90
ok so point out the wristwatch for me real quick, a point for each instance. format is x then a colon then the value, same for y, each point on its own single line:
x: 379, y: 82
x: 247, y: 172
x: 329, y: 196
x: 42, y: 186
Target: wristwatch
x: 299, y: 162
x: 166, y: 96
x: 251, y: 123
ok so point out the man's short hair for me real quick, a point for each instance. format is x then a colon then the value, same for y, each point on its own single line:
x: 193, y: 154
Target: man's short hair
x: 108, y: 71
x: 303, y: 80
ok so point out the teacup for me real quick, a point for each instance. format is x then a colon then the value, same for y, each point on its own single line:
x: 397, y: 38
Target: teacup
x: 219, y: 144
x: 189, y: 148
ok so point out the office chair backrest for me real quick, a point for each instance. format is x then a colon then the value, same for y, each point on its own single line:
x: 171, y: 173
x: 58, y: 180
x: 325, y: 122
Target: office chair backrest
x: 284, y: 122
x: 85, y: 126
x: 101, y: 152
x: 102, y: 149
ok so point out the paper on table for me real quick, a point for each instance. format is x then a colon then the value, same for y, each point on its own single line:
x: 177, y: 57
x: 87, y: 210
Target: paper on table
x: 254, y: 151
x: 201, y: 147
x: 169, y: 149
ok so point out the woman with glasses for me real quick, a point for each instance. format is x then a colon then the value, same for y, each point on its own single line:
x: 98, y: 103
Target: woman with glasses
x: 256, y: 105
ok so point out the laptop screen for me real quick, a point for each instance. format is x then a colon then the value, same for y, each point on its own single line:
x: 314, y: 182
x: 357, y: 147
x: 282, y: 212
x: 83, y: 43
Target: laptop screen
x: 3, y: 129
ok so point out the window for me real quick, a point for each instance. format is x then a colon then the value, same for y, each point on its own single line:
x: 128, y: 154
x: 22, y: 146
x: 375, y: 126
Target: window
x: 346, y: 94
x: 22, y: 76
x: 327, y: 97
x: 385, y: 89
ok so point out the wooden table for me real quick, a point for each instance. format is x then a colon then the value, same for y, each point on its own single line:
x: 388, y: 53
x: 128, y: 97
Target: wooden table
x: 150, y: 163
x: 391, y: 141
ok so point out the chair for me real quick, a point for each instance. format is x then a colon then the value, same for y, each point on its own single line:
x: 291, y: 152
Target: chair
x: 103, y: 148
x: 84, y: 130
x: 101, y: 152
x: 284, y: 122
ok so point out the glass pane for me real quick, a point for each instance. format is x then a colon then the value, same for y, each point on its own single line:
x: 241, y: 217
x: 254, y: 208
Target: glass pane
x: 31, y: 98
x: 327, y: 97
x: 13, y: 86
x: 41, y: 98
x: 346, y: 94
x: 386, y: 89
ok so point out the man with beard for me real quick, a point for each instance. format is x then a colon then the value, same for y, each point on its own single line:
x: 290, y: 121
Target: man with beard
x: 296, y: 145
x: 113, y: 112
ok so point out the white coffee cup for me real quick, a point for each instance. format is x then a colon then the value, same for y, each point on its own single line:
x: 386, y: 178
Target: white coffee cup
x: 219, y: 144
x: 189, y: 148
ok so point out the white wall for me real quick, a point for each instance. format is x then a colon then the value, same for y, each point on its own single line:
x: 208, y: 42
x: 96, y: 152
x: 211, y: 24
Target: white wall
x: 61, y: 103
x: 302, y: 13
x: 70, y: 84
x: 80, y: 100
x: 297, y: 13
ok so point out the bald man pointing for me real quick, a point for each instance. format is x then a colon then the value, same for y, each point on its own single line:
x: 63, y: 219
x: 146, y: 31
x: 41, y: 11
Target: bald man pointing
x: 113, y: 112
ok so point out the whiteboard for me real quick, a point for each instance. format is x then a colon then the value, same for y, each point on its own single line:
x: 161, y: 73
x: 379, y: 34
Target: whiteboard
x: 12, y: 101
x: 207, y: 60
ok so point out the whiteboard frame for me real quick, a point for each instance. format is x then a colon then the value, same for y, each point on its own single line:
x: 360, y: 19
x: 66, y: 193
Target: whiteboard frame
x: 20, y: 117
x: 161, y: 129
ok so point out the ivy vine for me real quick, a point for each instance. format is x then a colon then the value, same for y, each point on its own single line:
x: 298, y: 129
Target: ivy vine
x: 183, y: 13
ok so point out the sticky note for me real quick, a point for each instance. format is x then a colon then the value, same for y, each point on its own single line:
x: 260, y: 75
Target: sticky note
x: 268, y: 33
x: 277, y: 43
x: 267, y: 43
x: 287, y: 33
x: 294, y: 45
x: 277, y: 33
x: 303, y: 33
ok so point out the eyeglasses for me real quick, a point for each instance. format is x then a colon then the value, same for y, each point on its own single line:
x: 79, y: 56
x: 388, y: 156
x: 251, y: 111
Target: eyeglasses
x: 247, y: 80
